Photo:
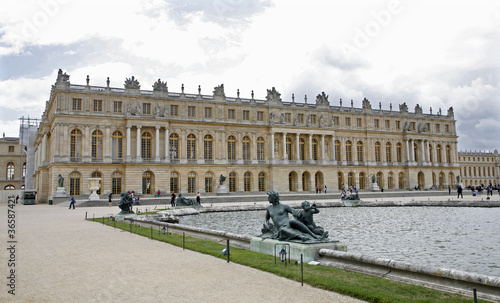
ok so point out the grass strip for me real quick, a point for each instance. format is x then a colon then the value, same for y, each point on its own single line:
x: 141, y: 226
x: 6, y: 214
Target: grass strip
x: 361, y: 286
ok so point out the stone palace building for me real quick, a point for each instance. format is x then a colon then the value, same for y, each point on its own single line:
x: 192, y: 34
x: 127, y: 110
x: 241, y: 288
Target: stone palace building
x: 479, y: 168
x: 150, y: 140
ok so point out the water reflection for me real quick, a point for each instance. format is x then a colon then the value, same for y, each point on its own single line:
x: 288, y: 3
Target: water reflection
x: 467, y: 239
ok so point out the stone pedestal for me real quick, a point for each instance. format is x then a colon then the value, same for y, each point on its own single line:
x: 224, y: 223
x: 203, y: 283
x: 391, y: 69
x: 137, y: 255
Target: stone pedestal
x: 222, y: 190
x: 308, y: 250
x: 374, y: 187
x: 61, y: 192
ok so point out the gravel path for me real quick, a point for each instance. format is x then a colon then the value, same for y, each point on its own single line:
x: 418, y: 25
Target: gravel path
x: 60, y: 257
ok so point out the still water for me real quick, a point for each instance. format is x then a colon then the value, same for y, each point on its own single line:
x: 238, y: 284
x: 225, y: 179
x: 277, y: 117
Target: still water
x: 462, y: 238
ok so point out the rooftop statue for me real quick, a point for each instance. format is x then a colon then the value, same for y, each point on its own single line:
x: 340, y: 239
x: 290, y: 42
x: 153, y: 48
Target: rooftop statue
x: 366, y: 104
x: 273, y: 95
x: 322, y: 99
x: 219, y: 91
x: 285, y: 228
x: 403, y: 107
x: 62, y: 77
x: 131, y: 83
x: 159, y: 86
x: 125, y: 204
x: 450, y: 111
x: 418, y: 109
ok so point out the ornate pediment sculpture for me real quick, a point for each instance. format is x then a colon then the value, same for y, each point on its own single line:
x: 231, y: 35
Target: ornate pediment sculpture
x: 450, y: 111
x: 219, y: 92
x: 322, y: 100
x: 160, y: 86
x: 62, y: 77
x: 273, y: 96
x: 131, y: 83
x: 403, y: 108
x: 366, y: 104
x: 418, y: 109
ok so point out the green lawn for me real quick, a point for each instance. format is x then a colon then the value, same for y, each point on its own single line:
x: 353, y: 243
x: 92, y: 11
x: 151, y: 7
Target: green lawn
x: 364, y: 287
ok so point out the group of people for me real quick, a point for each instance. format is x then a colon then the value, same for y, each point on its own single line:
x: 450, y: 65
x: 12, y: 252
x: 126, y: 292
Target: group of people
x: 319, y: 189
x: 346, y: 194
x: 174, y: 196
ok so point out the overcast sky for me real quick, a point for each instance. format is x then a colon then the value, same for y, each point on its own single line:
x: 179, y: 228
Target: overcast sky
x: 433, y: 53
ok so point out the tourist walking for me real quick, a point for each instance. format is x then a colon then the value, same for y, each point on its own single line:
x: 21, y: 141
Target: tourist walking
x: 449, y: 190
x: 198, y: 198
x: 325, y: 189
x: 459, y: 191
x: 72, y: 201
x: 172, y: 199
x: 109, y: 199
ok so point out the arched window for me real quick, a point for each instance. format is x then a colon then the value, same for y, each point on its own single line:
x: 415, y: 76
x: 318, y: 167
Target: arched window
x: 147, y: 183
x: 315, y: 149
x: 438, y: 154
x: 289, y: 148
x: 191, y: 147
x: 74, y: 183
x: 174, y: 182
x: 232, y: 182
x: 146, y: 145
x: 97, y: 174
x: 174, y: 146
x: 24, y: 170
x: 399, y: 152
x: 10, y: 171
x: 191, y: 182
x: 262, y: 181
x: 401, y: 180
x: 247, y: 182
x: 116, y: 183
x: 337, y: 150
x: 348, y: 151
x: 208, y: 147
x: 362, y: 183
x: 97, y: 144
x: 76, y: 145
x: 209, y: 182
x: 448, y: 154
x: 261, y: 151
x: 302, y: 149
x: 378, y: 157
x: 350, y: 179
x: 231, y: 148
x: 388, y: 152
x: 9, y: 187
x: 380, y: 179
x: 340, y: 177
x: 245, y: 145
x: 117, y: 142
x: 390, y: 181
x: 359, y: 150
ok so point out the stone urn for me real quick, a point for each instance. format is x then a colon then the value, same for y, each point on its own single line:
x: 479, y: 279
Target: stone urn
x: 94, y: 185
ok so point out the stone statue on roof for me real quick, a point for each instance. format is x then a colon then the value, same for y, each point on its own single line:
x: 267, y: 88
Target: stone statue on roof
x: 160, y: 86
x: 403, y: 107
x: 418, y: 109
x: 219, y: 91
x: 366, y: 104
x: 131, y: 83
x: 322, y: 99
x: 62, y: 77
x: 273, y: 95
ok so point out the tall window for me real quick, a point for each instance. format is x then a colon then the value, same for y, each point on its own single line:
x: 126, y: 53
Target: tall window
x: 313, y: 119
x: 174, y: 110
x: 245, y: 144
x: 376, y: 123
x: 117, y: 142
x: 401, y: 180
x: 300, y: 118
x: 260, y: 116
x: 359, y: 149
x: 302, y: 149
x: 438, y: 154
x: 390, y: 181
x: 74, y: 183
x: 288, y: 118
x: 399, y: 152
x: 398, y: 124
x: 146, y: 145
x: 246, y: 115
x: 230, y: 114
x: 336, y: 120
x: 208, y: 147
x: 378, y: 157
x: 415, y: 152
x: 340, y: 178
x: 231, y: 148
x: 347, y: 121
x: 191, y: 146
x: 388, y: 152
x: 116, y: 183
x: 77, y: 104
x: 232, y: 182
x: 350, y: 179
x: 97, y: 174
x: 10, y: 171
x: 430, y: 154
x: 98, y: 105
x: 191, y: 111
x: 380, y: 179
x: 359, y: 122
x: 448, y: 153
x: 23, y: 173
x: 117, y: 106
x: 97, y: 144
x: 174, y: 146
x: 174, y: 182
x: 209, y: 182
x: 191, y: 182
x: 11, y: 148
x: 147, y: 183
x: 260, y: 149
x: 146, y: 108
x: 247, y: 181
x: 208, y: 112
x: 362, y: 180
x: 337, y: 150
x: 289, y: 148
x: 76, y: 144
x: 348, y: 151
x: 262, y: 181
x: 315, y: 149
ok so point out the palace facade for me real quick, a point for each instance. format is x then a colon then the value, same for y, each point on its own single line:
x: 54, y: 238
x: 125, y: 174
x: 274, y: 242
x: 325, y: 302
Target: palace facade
x: 150, y: 140
x: 10, y: 160
x: 479, y: 168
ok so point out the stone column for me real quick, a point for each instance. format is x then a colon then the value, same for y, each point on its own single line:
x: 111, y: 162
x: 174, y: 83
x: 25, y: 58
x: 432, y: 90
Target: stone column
x: 157, y: 144
x: 284, y: 147
x: 333, y: 148
x: 427, y: 155
x: 408, y: 150
x: 128, y: 142
x: 167, y: 145
x: 297, y: 146
x: 138, y: 144
x: 422, y: 146
x: 310, y: 147
x: 322, y: 147
x: 86, y: 144
x: 107, y: 145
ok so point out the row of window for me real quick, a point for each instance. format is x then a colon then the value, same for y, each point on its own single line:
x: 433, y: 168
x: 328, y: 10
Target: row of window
x: 478, y: 159
x: 208, y: 148
x: 476, y: 172
x: 245, y: 115
x: 10, y: 172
